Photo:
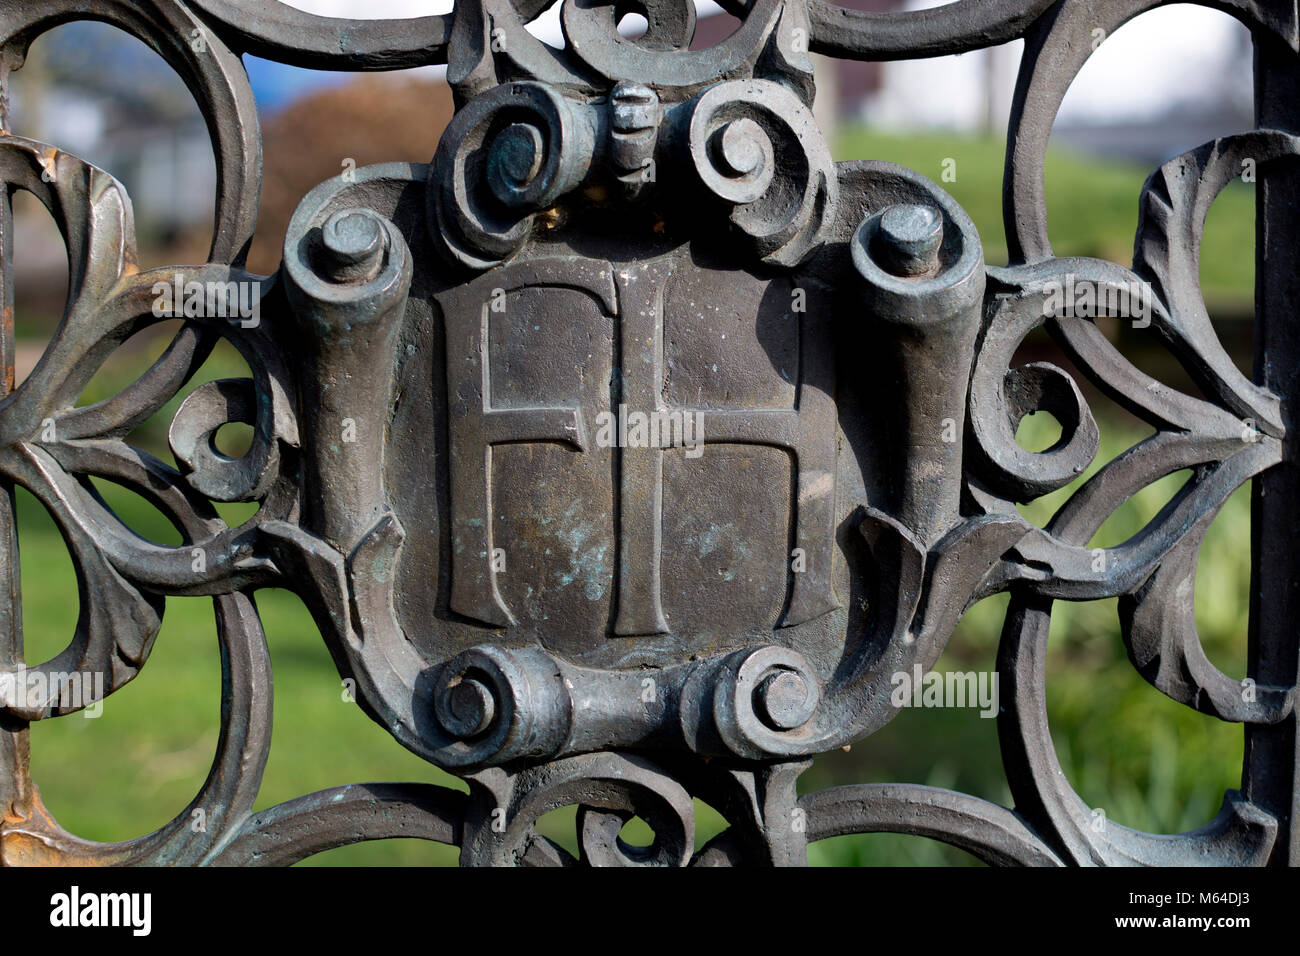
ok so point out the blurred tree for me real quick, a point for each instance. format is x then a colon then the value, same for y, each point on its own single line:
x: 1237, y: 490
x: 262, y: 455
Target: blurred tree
x: 373, y: 119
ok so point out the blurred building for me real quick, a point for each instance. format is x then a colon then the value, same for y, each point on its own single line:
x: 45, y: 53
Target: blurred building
x: 104, y: 96
x: 842, y: 85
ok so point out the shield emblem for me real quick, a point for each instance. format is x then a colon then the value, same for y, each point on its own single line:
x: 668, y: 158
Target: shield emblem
x: 601, y: 482
x: 602, y: 420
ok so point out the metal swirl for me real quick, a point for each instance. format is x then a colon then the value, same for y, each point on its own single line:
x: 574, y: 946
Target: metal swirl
x: 498, y: 705
x: 756, y: 147
x: 764, y: 701
x: 1001, y: 396
x: 608, y: 787
x: 507, y: 155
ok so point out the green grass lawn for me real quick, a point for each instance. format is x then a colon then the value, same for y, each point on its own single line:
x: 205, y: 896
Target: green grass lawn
x: 1092, y: 205
x: 1146, y: 761
x: 1127, y: 749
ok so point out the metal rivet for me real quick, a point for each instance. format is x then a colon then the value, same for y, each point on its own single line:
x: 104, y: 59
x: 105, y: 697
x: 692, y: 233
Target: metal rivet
x: 908, y: 238
x: 353, y: 242
x: 784, y: 700
x: 515, y: 161
x: 472, y: 708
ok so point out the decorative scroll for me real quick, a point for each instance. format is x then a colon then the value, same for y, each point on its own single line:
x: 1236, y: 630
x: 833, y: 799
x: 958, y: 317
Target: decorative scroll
x: 672, y: 227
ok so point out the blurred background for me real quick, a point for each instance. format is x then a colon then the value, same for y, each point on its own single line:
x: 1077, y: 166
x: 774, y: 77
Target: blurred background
x: 1167, y: 82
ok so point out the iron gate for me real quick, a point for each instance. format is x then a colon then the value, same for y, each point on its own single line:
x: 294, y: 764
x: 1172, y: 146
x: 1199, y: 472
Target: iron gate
x: 502, y: 401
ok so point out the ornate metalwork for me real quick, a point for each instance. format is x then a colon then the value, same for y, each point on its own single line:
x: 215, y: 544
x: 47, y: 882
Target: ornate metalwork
x: 630, y: 228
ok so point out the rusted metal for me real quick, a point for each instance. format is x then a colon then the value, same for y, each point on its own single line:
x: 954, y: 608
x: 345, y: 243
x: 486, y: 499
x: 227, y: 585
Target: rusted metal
x: 627, y: 450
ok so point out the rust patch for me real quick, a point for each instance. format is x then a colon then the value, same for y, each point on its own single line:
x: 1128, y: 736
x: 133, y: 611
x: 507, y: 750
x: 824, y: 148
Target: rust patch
x: 48, y: 159
x: 37, y: 840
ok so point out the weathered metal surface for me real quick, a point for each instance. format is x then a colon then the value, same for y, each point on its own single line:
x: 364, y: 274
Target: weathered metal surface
x: 625, y: 451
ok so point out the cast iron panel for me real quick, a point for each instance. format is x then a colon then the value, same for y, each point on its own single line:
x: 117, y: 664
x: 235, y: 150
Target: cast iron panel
x: 626, y: 451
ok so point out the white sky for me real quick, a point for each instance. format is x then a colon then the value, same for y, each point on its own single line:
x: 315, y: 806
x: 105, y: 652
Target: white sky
x: 547, y: 26
x: 1177, y: 54
x: 1181, y: 54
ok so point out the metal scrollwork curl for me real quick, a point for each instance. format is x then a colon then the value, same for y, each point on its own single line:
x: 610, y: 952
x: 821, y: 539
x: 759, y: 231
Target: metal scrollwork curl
x: 756, y: 147
x: 508, y: 155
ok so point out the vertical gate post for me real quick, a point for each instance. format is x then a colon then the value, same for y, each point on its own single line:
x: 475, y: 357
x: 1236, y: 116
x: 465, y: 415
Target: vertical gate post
x: 1271, y: 773
x: 14, y: 781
